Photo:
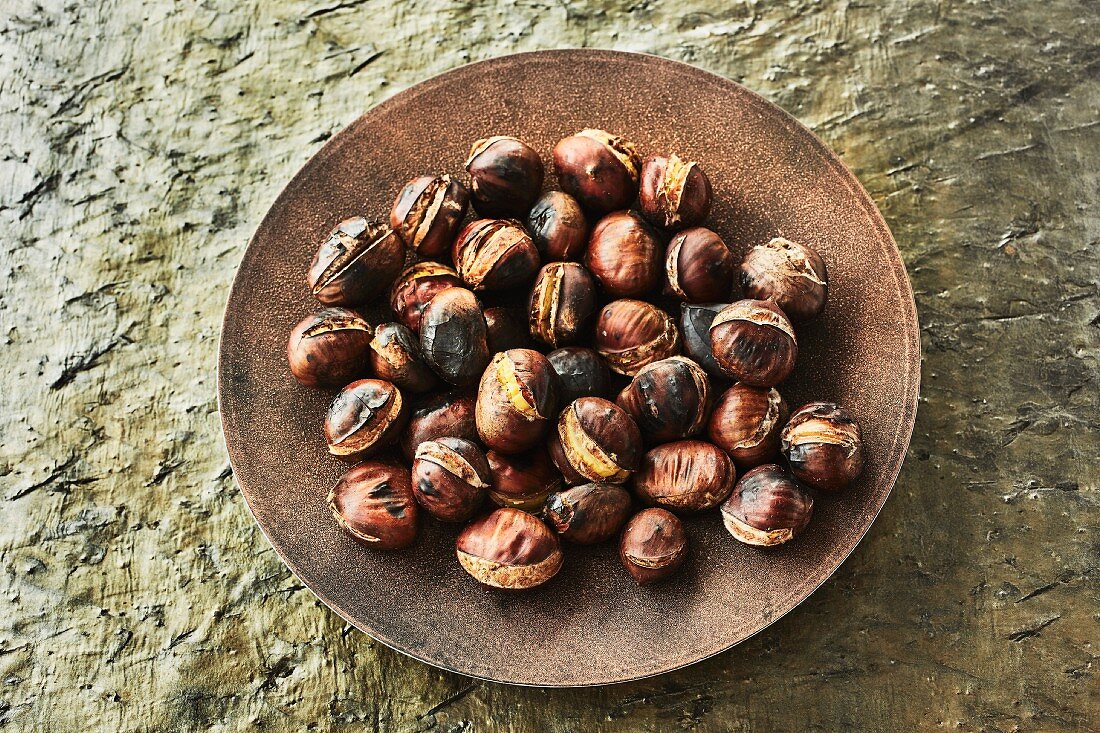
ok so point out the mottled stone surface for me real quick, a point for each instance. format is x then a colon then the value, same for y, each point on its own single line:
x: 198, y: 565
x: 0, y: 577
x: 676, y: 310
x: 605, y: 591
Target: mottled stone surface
x: 144, y: 141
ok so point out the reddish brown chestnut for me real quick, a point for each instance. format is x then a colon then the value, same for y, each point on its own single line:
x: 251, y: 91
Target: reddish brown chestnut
x: 699, y: 266
x: 675, y: 193
x: 561, y: 304
x: 427, y: 213
x: 588, y: 514
x: 668, y: 399
x: 357, y: 262
x: 495, y: 254
x: 767, y: 507
x: 754, y: 342
x: 823, y: 446
x: 395, y: 357
x: 558, y: 227
x: 444, y: 415
x: 509, y: 549
x: 746, y: 422
x: 506, y: 329
x: 453, y: 336
x: 633, y: 333
x: 374, y: 504
x: 330, y: 348
x: 624, y: 255
x: 695, y: 323
x: 581, y: 373
x: 517, y: 398
x: 598, y: 169
x: 597, y: 441
x: 791, y: 274
x: 523, y: 480
x: 449, y: 478
x: 365, y: 416
x: 686, y: 476
x: 653, y: 545
x: 414, y: 289
x: 505, y: 176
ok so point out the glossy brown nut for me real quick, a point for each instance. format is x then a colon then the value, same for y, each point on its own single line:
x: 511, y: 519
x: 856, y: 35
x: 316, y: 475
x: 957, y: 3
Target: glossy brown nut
x: 495, y: 254
x: 523, y: 480
x: 595, y: 440
x: 686, y: 476
x: 668, y: 399
x: 695, y: 320
x: 581, y: 373
x: 633, y: 333
x: 792, y: 275
x: 753, y: 342
x: 415, y: 288
x: 767, y: 507
x: 509, y: 549
x: 558, y: 227
x: 427, y: 213
x: 505, y: 176
x: 675, y: 193
x: 395, y: 357
x: 562, y: 303
x: 506, y: 329
x: 598, y: 169
x: 624, y: 255
x: 516, y: 400
x: 356, y: 263
x: 367, y: 415
x: 330, y: 348
x: 699, y: 266
x: 746, y: 422
x: 449, y: 478
x: 653, y: 545
x: 373, y: 502
x: 823, y: 446
x: 588, y: 514
x: 439, y: 416
x: 453, y: 336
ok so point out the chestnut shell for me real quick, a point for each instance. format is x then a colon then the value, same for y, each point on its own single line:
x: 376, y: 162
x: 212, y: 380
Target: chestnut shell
x: 357, y: 262
x: 767, y: 507
x: 675, y: 193
x: 450, y: 477
x: 668, y: 399
x: 754, y: 342
x: 427, y: 212
x: 791, y: 274
x: 438, y: 416
x: 595, y: 440
x: 522, y: 480
x: 598, y: 169
x: 495, y: 254
x: 699, y: 266
x: 653, y: 545
x: 366, y: 415
x: 633, y: 333
x: 588, y: 514
x: 581, y: 373
x: 823, y: 446
x: 624, y: 254
x: 330, y: 348
x: 414, y: 289
x: 557, y: 226
x: 516, y: 399
x: 685, y: 476
x: 746, y: 422
x: 374, y: 503
x: 561, y: 304
x: 509, y: 549
x: 505, y: 176
x: 695, y: 320
x: 453, y: 336
x: 395, y: 356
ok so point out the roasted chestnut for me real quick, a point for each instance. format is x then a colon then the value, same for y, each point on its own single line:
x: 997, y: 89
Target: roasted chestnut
x: 453, y: 338
x: 495, y: 254
x: 823, y: 446
x: 395, y: 357
x: 754, y: 342
x: 558, y: 227
x: 581, y: 373
x: 668, y: 399
x: 427, y: 213
x: 506, y: 329
x: 366, y: 415
x: 449, y: 478
x: 675, y: 193
x: 792, y: 275
x: 374, y: 504
x: 624, y: 255
x: 653, y: 545
x: 505, y: 176
x: 509, y: 549
x: 746, y: 422
x: 699, y: 266
x: 695, y: 323
x: 767, y: 507
x: 598, y: 169
x: 330, y: 348
x: 633, y: 333
x: 588, y: 514
x: 443, y: 415
x: 516, y: 399
x: 562, y: 303
x: 595, y: 440
x: 685, y: 476
x: 357, y: 262
x: 414, y: 289
x: 522, y: 480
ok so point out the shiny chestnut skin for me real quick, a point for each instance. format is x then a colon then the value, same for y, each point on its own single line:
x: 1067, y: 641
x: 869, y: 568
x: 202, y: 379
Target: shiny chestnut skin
x: 675, y: 193
x: 581, y: 373
x: 595, y: 440
x: 439, y: 416
x: 624, y: 255
x: 561, y: 304
x: 633, y: 333
x: 449, y: 478
x: 685, y: 476
x: 356, y: 263
x: 695, y: 320
x: 374, y: 503
x: 506, y: 329
x: 767, y: 507
x: 365, y: 416
x: 653, y: 545
x: 753, y: 342
x: 791, y: 274
x: 505, y: 176
x: 699, y: 266
x: 746, y: 422
x: 823, y: 446
x: 522, y: 480
x: 588, y: 514
x: 516, y: 400
x: 330, y: 348
x: 427, y: 213
x: 668, y: 399
x: 453, y: 336
x: 395, y: 357
x: 598, y: 169
x: 495, y: 254
x: 558, y: 227
x: 414, y: 289
x: 509, y: 549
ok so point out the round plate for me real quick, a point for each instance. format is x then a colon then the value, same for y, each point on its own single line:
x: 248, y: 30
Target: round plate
x: 591, y: 624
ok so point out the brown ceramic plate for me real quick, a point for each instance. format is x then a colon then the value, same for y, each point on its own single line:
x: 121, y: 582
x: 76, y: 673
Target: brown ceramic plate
x: 591, y: 624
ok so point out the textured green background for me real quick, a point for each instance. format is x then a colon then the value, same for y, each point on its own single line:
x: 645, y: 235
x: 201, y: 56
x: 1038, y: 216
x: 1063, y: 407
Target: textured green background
x: 143, y: 142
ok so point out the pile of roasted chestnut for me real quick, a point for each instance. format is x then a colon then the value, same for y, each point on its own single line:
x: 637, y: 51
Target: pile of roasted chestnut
x: 625, y: 353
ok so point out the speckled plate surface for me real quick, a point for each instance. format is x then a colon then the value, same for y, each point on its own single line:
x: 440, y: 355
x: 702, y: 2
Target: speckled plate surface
x: 591, y: 624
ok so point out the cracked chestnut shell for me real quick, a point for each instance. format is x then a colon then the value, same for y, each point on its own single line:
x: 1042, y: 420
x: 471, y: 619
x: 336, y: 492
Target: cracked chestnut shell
x: 453, y: 336
x: 367, y: 415
x: 699, y: 266
x: 356, y: 263
x: 595, y: 440
x: 516, y: 399
x: 746, y: 422
x: 522, y: 480
x: 414, y: 289
x: 495, y: 254
x: 668, y: 399
x: 675, y: 193
x: 588, y: 514
x: 558, y: 227
x: 754, y: 342
x: 439, y: 416
x: 449, y: 478
x: 505, y: 176
x: 598, y: 169
x: 562, y: 303
x: 506, y: 329
x: 427, y: 213
x: 374, y: 504
x: 767, y: 507
x: 624, y: 255
x: 791, y: 274
x: 653, y: 545
x: 509, y: 549
x: 695, y: 320
x: 823, y: 446
x: 395, y: 357
x: 633, y: 333
x: 686, y: 476
x: 581, y: 373
x: 330, y: 348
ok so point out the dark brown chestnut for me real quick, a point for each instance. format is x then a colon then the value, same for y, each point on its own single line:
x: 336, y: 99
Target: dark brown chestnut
x: 746, y: 422
x: 395, y: 357
x: 792, y: 275
x: 668, y: 399
x: 330, y: 348
x: 754, y: 342
x: 581, y: 373
x: 356, y: 263
x: 823, y: 446
x: 675, y: 193
x: 516, y: 400
x: 597, y: 441
x: 453, y: 336
x: 427, y: 213
x: 699, y: 266
x: 414, y: 289
x: 558, y: 227
x: 495, y: 254
x: 367, y: 415
x: 685, y: 476
x: 373, y: 502
x: 505, y: 176
x: 633, y: 333
x: 653, y: 545
x: 561, y: 304
x: 767, y: 507
x: 522, y: 480
x: 439, y: 416
x: 695, y: 320
x: 449, y: 478
x: 509, y: 549
x: 588, y: 514
x: 598, y: 169
x: 624, y: 255
x: 506, y: 329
